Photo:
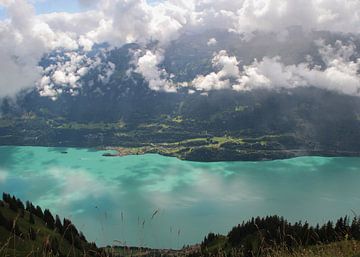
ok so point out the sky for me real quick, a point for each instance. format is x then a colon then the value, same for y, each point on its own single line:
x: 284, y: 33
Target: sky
x: 49, y: 6
x: 29, y: 29
x: 2, y: 12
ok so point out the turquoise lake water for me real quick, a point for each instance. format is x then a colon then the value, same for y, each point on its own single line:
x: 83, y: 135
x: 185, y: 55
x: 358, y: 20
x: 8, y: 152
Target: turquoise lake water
x: 114, y: 198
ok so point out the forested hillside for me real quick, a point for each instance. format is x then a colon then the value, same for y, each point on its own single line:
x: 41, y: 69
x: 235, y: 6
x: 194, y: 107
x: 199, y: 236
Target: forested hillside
x: 122, y: 110
x: 26, y: 230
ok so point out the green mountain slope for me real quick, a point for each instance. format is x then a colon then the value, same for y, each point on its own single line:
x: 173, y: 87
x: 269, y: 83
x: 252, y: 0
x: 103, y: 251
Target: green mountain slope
x: 28, y: 231
x: 275, y: 236
x: 217, y: 125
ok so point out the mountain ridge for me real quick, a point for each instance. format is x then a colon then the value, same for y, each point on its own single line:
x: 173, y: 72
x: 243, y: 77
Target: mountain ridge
x: 119, y: 109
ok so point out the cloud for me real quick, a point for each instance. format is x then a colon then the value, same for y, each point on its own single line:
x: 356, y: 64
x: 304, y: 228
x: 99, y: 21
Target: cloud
x: 340, y: 72
x: 276, y: 15
x: 87, y: 2
x: 25, y: 37
x: 19, y: 53
x: 67, y: 69
x: 5, y: 2
x: 24, y: 40
x: 148, y: 66
x: 119, y: 22
x: 212, y: 42
x: 228, y: 70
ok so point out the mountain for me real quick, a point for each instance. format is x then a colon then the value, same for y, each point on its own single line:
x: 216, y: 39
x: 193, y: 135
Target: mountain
x: 114, y: 105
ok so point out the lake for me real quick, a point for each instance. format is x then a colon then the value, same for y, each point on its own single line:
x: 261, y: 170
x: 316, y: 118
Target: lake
x: 163, y: 202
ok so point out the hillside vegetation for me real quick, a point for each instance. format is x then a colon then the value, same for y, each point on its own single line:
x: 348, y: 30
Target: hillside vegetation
x: 223, y: 126
x: 26, y: 230
x: 219, y: 125
x: 275, y: 236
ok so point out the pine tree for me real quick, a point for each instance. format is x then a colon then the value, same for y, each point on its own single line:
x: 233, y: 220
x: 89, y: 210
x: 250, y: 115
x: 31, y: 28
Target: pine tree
x: 39, y: 212
x: 28, y: 206
x: 6, y: 197
x: 31, y: 218
x: 19, y: 204
x: 58, y: 224
x: 13, y: 203
x: 49, y: 219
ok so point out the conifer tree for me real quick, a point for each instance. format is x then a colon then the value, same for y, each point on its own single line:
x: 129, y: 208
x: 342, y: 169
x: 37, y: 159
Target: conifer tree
x: 49, y: 219
x: 58, y: 224
x: 39, y: 212
x: 31, y: 218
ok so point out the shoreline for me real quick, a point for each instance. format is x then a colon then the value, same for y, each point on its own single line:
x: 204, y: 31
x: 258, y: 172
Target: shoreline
x: 217, y: 155
x: 258, y: 155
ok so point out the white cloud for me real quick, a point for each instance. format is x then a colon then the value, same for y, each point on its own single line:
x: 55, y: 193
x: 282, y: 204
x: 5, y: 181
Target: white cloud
x: 86, y: 43
x: 4, y: 2
x: 25, y: 37
x: 148, y: 66
x: 212, y: 42
x: 211, y: 81
x: 67, y: 70
x: 20, y: 51
x: 87, y: 2
x: 339, y: 74
x: 228, y: 70
x: 275, y: 15
x: 106, y: 71
x: 269, y: 73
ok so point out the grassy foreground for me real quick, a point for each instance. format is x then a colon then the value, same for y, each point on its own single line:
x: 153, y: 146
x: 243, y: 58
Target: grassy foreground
x: 348, y: 248
x: 28, y: 231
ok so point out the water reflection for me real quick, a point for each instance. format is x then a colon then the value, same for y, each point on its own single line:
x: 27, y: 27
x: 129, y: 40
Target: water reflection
x: 116, y: 198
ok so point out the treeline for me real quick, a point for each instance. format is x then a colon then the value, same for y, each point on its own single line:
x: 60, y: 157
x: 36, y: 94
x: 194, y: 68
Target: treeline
x: 256, y: 236
x: 66, y: 229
